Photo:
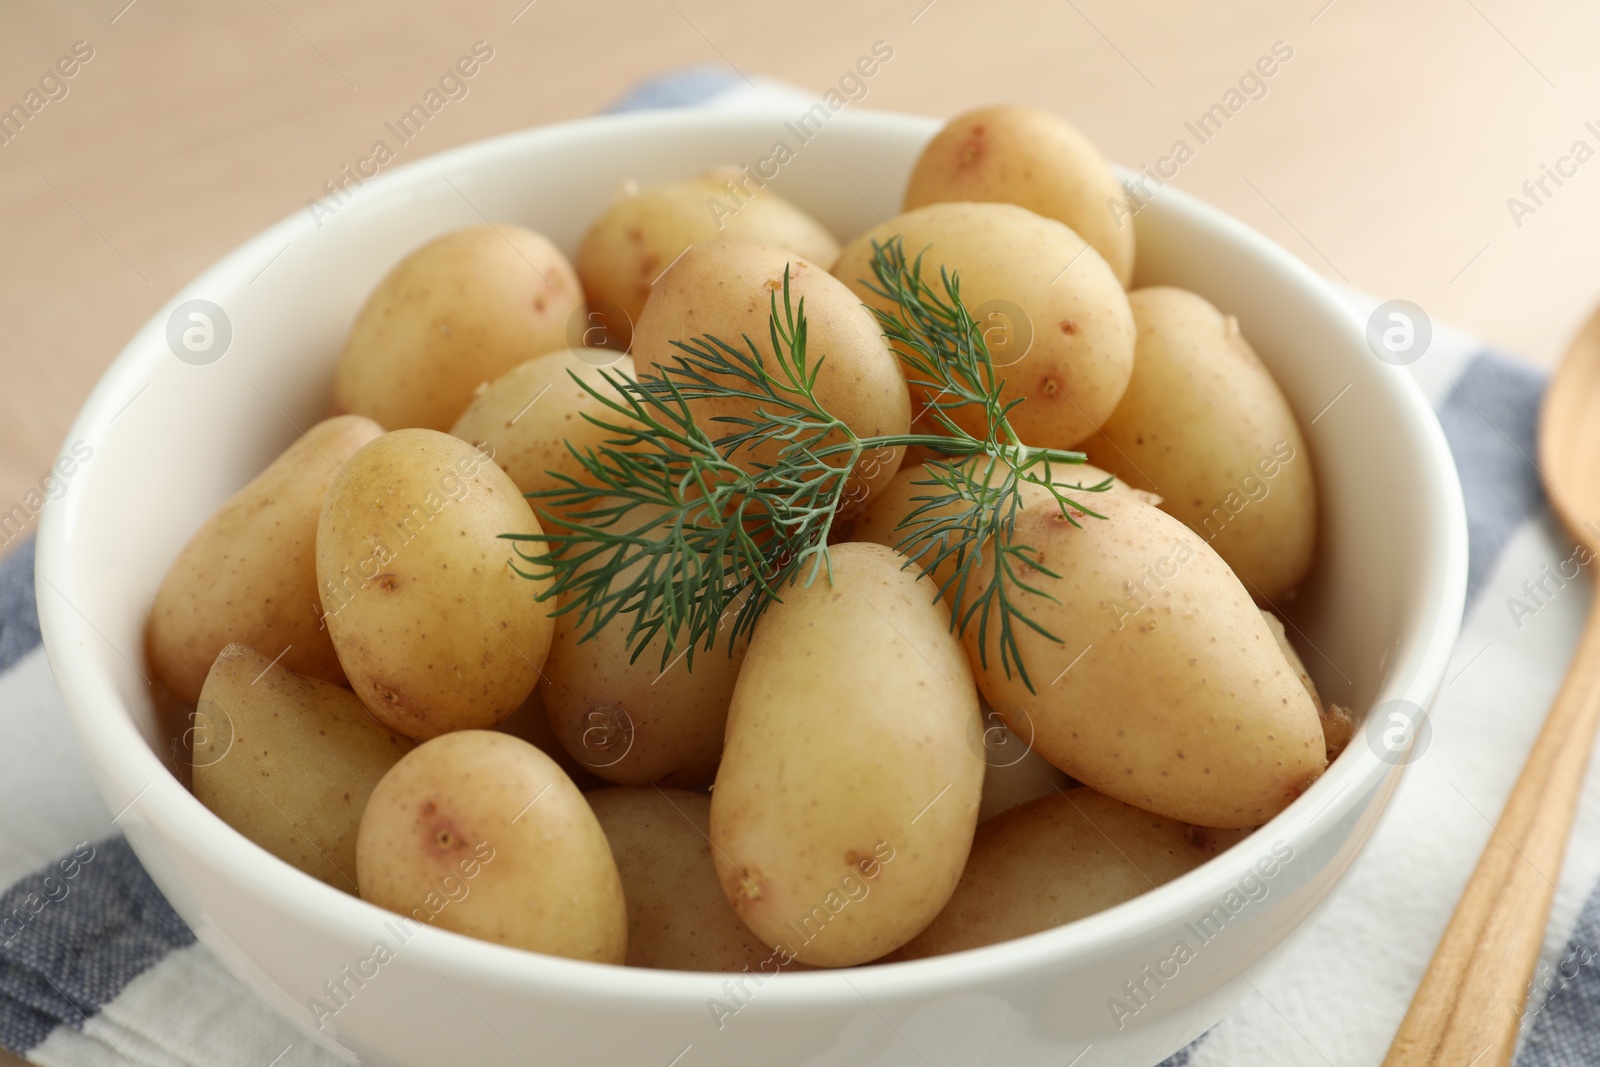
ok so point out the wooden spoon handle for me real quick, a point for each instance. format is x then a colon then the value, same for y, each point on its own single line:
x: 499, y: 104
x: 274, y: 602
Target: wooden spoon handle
x: 1471, y: 1003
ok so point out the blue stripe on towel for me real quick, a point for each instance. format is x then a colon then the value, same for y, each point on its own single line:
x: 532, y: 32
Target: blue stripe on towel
x: 1180, y: 1058
x: 1564, y: 1032
x: 682, y: 88
x: 19, y: 615
x: 1491, y: 419
x: 68, y: 945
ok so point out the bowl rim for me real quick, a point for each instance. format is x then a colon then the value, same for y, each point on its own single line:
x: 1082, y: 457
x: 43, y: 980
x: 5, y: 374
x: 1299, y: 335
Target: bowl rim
x: 130, y: 773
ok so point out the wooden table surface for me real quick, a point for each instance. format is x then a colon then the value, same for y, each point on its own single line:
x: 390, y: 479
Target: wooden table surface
x: 1383, y: 152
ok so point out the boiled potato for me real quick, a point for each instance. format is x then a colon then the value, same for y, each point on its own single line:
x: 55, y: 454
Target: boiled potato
x: 460, y: 311
x: 1204, y: 425
x: 288, y: 761
x: 433, y: 627
x: 628, y: 719
x: 724, y: 289
x: 249, y: 574
x: 1015, y: 773
x: 678, y: 918
x: 1163, y: 686
x: 644, y: 231
x: 1280, y: 635
x: 911, y: 487
x: 1338, y: 725
x: 1033, y: 283
x: 481, y: 833
x: 1059, y: 858
x: 1033, y: 158
x: 849, y: 788
x: 528, y: 418
x: 532, y: 725
x: 909, y: 491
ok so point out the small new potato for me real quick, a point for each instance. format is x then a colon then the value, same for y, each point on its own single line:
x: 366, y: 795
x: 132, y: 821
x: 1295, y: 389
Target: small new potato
x: 249, y: 574
x: 1054, y: 316
x: 460, y: 311
x: 434, y: 628
x: 1037, y: 160
x: 527, y: 419
x: 634, y: 720
x: 1162, y: 685
x: 288, y: 761
x: 1281, y: 635
x: 481, y: 833
x: 1204, y: 425
x: 1015, y: 773
x: 725, y: 289
x: 908, y: 492
x: 1338, y: 725
x: 1059, y: 858
x: 678, y: 919
x: 849, y: 788
x: 644, y: 231
x: 531, y: 724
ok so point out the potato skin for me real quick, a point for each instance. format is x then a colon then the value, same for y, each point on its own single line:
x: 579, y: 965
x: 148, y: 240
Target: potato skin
x: 435, y: 630
x: 481, y: 833
x: 528, y: 416
x: 628, y: 720
x: 1204, y: 425
x: 1010, y: 779
x: 678, y: 919
x: 1015, y: 773
x: 643, y: 231
x: 461, y: 310
x: 289, y: 761
x: 249, y: 574
x: 531, y: 724
x: 725, y: 289
x: 1292, y: 656
x: 1037, y: 160
x: 1165, y: 688
x: 1059, y: 858
x: 1338, y: 725
x: 849, y: 789
x: 1077, y: 364
x: 879, y: 522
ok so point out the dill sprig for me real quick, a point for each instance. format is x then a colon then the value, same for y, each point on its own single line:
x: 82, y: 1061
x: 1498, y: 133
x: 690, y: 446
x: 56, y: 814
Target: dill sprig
x: 691, y: 535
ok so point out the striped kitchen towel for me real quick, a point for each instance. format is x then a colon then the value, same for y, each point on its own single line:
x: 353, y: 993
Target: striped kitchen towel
x: 95, y: 968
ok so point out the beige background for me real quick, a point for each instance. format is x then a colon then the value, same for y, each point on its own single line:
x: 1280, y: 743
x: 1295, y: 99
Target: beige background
x: 1383, y: 152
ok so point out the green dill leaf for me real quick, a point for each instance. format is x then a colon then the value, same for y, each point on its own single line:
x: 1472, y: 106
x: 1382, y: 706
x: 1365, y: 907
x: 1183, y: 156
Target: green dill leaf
x: 679, y: 526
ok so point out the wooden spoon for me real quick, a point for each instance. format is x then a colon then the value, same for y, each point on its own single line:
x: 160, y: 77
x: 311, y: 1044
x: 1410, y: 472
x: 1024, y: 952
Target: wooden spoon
x: 1471, y: 1003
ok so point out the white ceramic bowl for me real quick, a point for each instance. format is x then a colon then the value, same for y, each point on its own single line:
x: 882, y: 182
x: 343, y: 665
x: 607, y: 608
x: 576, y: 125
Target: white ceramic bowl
x: 171, y: 440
